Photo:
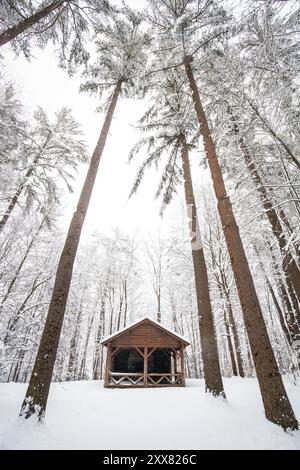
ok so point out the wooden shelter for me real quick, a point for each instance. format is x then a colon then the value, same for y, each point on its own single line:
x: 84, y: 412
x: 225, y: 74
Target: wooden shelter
x: 145, y: 354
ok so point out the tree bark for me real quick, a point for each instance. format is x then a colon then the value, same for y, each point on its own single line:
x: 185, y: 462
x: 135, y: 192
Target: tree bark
x: 212, y: 370
x: 23, y: 25
x: 38, y: 390
x: 276, y: 403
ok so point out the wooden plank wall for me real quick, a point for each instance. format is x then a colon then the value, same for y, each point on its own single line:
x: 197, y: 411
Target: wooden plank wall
x: 146, y: 335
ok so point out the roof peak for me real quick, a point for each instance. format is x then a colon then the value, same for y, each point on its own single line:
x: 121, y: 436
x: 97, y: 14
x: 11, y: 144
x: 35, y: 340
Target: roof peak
x: 136, y: 323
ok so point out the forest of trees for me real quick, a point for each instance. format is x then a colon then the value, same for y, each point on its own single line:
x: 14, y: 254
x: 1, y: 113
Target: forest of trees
x: 219, y: 83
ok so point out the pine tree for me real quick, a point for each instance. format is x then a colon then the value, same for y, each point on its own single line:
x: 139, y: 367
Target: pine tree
x: 51, y: 152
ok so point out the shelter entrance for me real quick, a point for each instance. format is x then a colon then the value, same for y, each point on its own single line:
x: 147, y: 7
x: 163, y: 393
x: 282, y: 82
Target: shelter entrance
x: 145, y: 367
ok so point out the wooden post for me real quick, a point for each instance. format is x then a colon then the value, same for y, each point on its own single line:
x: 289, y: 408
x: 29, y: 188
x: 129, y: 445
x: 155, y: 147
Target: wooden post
x: 107, y: 366
x: 145, y: 366
x: 175, y: 364
x: 182, y: 366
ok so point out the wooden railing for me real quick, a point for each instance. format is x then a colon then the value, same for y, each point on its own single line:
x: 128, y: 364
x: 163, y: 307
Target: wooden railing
x: 122, y: 378
x: 136, y: 378
x: 164, y: 378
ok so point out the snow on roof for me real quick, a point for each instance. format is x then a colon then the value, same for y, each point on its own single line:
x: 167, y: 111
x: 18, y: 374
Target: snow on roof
x: 137, y: 322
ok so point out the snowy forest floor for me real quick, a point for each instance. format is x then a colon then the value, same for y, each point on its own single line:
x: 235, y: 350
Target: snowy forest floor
x: 84, y: 415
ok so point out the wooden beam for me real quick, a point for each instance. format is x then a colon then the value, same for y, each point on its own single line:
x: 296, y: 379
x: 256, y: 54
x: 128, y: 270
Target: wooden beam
x: 145, y: 366
x: 127, y: 374
x: 182, y: 365
x: 141, y: 352
x: 152, y: 350
x: 175, y: 361
x: 115, y: 351
x: 107, y: 365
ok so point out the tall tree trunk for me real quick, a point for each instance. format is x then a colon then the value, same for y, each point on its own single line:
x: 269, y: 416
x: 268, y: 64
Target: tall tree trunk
x: 13, y: 32
x: 193, y: 334
x: 173, y: 310
x: 125, y: 303
x: 82, y: 370
x: 198, y: 350
x: 74, y: 343
x: 212, y: 371
x: 193, y: 370
x: 233, y: 328
x: 39, y: 385
x: 232, y: 325
x: 289, y: 265
x: 276, y: 403
x: 111, y: 318
x: 158, y: 297
x: 120, y: 310
x: 229, y: 343
x: 100, y: 333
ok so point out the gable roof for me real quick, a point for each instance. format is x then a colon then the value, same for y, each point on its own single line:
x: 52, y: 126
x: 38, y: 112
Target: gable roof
x: 107, y: 339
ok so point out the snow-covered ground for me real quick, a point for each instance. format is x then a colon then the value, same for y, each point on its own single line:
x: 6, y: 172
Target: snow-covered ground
x: 84, y: 415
